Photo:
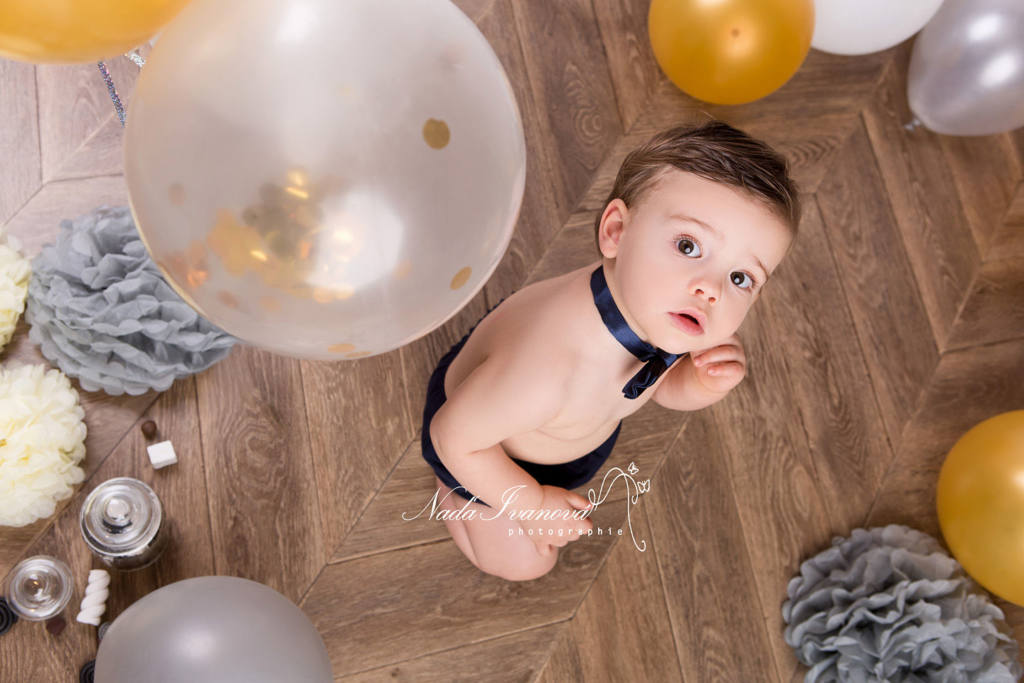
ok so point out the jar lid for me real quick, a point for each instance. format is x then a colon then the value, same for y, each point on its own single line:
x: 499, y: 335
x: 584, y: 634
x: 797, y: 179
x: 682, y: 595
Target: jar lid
x: 39, y: 587
x: 120, y: 516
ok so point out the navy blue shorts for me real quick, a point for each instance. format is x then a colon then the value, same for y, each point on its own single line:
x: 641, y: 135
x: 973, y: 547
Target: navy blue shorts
x: 567, y: 475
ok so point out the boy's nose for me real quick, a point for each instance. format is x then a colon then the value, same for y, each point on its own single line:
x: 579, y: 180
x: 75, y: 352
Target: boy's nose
x: 701, y: 292
x: 705, y: 289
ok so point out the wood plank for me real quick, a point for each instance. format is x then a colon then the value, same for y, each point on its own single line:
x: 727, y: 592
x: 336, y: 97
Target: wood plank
x: 102, y: 153
x: 708, y: 578
x: 572, y: 88
x: 935, y: 233
x: 358, y: 430
x: 38, y: 222
x: 1008, y: 240
x: 182, y: 492
x: 782, y: 504
x: 835, y: 84
x: 992, y: 310
x: 986, y: 170
x: 564, y: 665
x: 539, y: 215
x: 809, y: 140
x: 429, y: 598
x: 73, y: 104
x: 381, y: 526
x: 1015, y: 619
x: 804, y: 312
x: 621, y: 631
x: 888, y: 313
x: 826, y: 85
x: 634, y: 72
x: 259, y: 471
x: 19, y: 137
x: 14, y: 541
x: 574, y: 248
x: 515, y: 657
x: 474, y: 9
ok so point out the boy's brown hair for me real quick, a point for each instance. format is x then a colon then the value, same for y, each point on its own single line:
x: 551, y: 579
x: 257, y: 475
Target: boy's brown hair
x: 715, y: 151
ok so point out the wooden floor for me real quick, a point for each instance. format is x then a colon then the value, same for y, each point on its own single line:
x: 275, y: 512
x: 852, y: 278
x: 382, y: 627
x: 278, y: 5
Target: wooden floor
x: 895, y: 325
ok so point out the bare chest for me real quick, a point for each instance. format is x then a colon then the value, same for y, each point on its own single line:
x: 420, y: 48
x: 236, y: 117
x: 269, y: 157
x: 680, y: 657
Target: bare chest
x: 594, y: 404
x: 593, y: 410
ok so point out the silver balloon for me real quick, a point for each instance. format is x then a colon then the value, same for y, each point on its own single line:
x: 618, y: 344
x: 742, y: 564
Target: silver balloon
x: 325, y: 178
x: 213, y: 629
x: 967, y: 68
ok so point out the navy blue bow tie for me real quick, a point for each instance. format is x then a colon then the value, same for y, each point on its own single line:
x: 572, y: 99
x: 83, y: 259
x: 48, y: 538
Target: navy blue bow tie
x: 656, y: 360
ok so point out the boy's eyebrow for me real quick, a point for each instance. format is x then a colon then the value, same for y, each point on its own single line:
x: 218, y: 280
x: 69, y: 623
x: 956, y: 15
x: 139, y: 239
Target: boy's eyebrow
x: 691, y: 219
x: 714, y: 231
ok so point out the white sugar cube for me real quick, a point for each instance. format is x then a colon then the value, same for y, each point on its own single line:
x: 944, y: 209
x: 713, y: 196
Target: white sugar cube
x: 161, y: 454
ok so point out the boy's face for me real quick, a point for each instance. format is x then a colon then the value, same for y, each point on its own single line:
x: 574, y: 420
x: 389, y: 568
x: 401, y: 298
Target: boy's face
x: 690, y: 246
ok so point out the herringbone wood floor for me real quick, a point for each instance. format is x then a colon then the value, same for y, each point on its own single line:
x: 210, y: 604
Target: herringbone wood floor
x: 895, y: 325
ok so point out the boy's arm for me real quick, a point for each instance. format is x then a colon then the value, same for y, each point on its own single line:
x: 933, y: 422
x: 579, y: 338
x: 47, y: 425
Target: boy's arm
x: 702, y: 378
x: 507, y: 394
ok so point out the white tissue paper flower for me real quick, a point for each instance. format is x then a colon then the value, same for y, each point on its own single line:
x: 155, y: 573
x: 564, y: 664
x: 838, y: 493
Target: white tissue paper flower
x: 42, y: 440
x: 14, y: 276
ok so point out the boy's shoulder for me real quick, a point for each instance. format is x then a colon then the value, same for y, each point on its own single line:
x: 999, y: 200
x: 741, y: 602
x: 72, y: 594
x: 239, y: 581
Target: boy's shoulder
x: 545, y: 320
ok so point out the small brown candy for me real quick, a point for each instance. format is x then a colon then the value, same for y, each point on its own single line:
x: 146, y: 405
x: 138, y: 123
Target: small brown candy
x: 149, y: 429
x: 55, y: 626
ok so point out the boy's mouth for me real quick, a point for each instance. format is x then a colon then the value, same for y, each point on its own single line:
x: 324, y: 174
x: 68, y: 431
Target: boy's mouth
x: 689, y: 321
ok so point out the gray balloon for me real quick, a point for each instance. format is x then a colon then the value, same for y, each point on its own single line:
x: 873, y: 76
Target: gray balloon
x: 967, y: 68
x: 213, y: 629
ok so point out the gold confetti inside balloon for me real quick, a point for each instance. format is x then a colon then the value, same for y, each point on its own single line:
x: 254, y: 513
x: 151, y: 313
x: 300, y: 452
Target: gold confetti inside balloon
x: 980, y: 499
x: 339, y: 192
x: 79, y: 30
x: 730, y: 51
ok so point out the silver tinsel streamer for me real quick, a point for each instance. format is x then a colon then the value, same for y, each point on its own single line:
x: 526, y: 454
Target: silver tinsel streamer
x: 100, y: 310
x: 887, y: 604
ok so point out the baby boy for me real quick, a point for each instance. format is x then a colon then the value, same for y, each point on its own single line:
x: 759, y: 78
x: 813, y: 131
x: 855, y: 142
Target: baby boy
x: 529, y: 403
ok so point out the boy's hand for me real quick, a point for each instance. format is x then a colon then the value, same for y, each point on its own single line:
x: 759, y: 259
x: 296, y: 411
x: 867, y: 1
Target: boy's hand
x: 546, y: 531
x: 721, y: 367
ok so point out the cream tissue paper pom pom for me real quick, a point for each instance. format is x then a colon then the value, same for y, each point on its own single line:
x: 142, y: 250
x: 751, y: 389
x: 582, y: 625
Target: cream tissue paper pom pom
x: 14, y: 276
x: 42, y: 440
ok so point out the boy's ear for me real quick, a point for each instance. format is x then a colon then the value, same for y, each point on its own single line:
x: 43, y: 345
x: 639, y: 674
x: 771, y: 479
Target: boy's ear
x: 612, y: 224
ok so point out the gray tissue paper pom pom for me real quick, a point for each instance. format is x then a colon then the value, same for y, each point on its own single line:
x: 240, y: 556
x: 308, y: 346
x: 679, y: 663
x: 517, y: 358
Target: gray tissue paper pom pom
x: 887, y: 604
x: 101, y: 311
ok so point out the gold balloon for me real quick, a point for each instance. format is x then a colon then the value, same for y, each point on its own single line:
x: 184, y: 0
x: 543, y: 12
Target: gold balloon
x: 79, y: 30
x: 980, y: 501
x: 730, y: 51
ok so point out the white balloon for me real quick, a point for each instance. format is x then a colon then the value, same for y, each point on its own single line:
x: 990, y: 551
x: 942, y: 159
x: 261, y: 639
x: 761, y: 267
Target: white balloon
x: 858, y: 27
x: 324, y: 178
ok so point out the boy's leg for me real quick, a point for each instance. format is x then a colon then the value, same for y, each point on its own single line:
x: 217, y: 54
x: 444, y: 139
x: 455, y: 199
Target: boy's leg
x: 495, y: 546
x: 455, y: 526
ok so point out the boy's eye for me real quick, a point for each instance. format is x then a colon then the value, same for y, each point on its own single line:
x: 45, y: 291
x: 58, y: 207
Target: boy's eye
x: 742, y: 280
x: 688, y: 247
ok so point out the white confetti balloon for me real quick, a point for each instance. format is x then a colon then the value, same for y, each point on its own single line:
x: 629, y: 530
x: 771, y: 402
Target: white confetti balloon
x: 325, y: 179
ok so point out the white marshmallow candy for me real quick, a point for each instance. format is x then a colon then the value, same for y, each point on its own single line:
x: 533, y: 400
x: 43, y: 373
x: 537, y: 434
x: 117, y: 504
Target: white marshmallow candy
x: 161, y: 454
x: 94, y: 604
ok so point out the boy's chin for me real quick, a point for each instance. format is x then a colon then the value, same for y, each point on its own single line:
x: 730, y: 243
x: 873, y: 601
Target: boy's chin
x: 691, y: 344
